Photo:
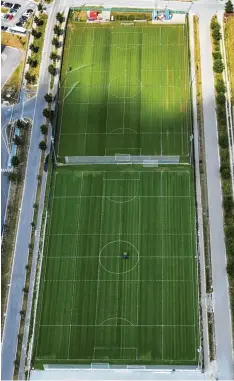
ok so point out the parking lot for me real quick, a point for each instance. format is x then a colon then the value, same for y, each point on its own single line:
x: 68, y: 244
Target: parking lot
x: 16, y: 13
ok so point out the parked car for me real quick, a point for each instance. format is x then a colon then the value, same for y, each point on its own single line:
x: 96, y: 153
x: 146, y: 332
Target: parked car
x: 2, y: 2
x: 8, y: 5
x: 19, y: 24
x: 13, y: 11
x: 23, y: 18
x: 11, y: 16
x: 6, y: 16
x: 29, y: 11
x: 4, y: 28
x: 16, y: 6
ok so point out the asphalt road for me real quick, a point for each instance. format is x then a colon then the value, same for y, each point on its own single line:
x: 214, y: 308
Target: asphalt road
x: 8, y: 114
x: 10, y: 59
x: 12, y: 320
x: 222, y: 316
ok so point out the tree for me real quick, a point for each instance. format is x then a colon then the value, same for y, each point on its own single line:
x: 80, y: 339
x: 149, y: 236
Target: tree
x: 30, y: 78
x: 42, y: 145
x: 20, y: 124
x: 48, y: 98
x: 35, y: 205
x: 22, y: 314
x: 229, y: 7
x: 31, y: 62
x: 55, y: 42
x: 34, y: 48
x: 25, y: 290
x: 225, y: 172
x: 36, y: 34
x: 220, y: 98
x: 59, y: 17
x: 17, y: 140
x: 13, y: 176
x: 230, y: 266
x: 57, y: 30
x: 48, y: 113
x: 44, y: 129
x: 228, y: 203
x: 218, y: 66
x: 216, y: 34
x: 223, y: 141
x: 15, y: 161
x: 220, y: 86
x: 216, y: 55
x: 52, y: 69
x: 54, y: 56
x: 40, y: 7
x: 38, y: 21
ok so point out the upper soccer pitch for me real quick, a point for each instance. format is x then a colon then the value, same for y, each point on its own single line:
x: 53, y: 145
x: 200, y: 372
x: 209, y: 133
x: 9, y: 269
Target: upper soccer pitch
x: 124, y: 90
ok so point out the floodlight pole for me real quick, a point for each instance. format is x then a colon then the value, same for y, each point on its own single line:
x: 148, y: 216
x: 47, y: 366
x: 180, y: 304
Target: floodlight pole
x: 53, y: 150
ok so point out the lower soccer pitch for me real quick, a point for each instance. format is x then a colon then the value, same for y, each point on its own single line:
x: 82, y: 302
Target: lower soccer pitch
x: 124, y: 90
x: 96, y: 306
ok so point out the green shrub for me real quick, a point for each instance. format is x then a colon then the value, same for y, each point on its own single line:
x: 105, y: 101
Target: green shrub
x: 220, y: 86
x: 230, y: 267
x: 229, y: 7
x: 223, y: 141
x: 220, y: 98
x: 225, y: 172
x: 226, y: 188
x: 228, y: 204
x: 218, y: 66
x: 217, y: 55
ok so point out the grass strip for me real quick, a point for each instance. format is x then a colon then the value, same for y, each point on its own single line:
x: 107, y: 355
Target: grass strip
x: 11, y: 222
x: 229, y: 42
x: 225, y: 170
x: 14, y: 40
x: 203, y: 178
x: 13, y: 85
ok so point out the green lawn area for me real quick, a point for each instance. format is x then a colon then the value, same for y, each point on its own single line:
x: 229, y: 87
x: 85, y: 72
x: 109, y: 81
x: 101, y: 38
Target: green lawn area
x: 96, y: 306
x: 124, y: 90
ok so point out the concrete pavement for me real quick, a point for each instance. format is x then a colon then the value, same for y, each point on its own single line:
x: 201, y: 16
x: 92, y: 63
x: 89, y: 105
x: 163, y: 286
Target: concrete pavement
x: 9, y: 341
x: 10, y: 59
x: 222, y: 317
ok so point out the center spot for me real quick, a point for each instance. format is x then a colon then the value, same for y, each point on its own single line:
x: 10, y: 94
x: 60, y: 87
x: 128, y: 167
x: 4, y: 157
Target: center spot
x: 111, y: 257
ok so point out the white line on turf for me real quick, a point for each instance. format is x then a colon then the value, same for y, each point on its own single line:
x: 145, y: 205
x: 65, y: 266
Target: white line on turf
x: 75, y: 264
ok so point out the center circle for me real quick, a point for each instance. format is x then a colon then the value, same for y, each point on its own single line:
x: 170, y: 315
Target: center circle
x: 125, y: 86
x: 119, y: 257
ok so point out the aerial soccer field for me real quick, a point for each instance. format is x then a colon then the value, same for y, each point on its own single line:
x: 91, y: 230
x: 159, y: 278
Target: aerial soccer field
x: 125, y: 89
x: 97, y: 306
x: 119, y: 275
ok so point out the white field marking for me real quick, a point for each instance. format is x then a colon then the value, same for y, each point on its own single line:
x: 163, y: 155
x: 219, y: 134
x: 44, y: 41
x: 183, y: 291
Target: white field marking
x: 46, y: 256
x: 119, y: 133
x: 107, y: 256
x: 106, y: 196
x: 121, y: 202
x: 120, y: 318
x: 87, y: 114
x: 191, y: 248
x: 123, y: 325
x: 98, y: 277
x: 138, y: 269
x: 122, y: 272
x: 148, y: 70
x: 64, y: 89
x: 97, y: 359
x: 75, y: 264
x: 122, y: 280
x: 129, y: 45
x: 120, y: 233
x: 162, y: 220
x: 131, y: 234
x: 125, y: 86
x: 124, y: 97
x: 120, y: 129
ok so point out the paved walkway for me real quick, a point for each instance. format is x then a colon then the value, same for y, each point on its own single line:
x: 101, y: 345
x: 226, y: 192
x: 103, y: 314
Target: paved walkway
x: 9, y: 341
x: 222, y: 316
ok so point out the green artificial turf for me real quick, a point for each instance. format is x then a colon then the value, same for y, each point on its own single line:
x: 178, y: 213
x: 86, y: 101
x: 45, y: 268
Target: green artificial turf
x: 124, y: 89
x: 97, y: 307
